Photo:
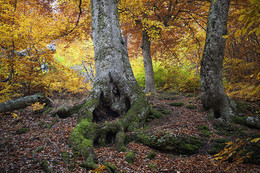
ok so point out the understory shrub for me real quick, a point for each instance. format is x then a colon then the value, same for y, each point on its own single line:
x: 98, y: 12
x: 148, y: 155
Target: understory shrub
x: 168, y: 75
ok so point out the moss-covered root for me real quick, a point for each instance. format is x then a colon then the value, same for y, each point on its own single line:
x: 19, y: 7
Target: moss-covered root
x: 111, y: 168
x: 136, y: 116
x: 120, y: 140
x: 81, y: 141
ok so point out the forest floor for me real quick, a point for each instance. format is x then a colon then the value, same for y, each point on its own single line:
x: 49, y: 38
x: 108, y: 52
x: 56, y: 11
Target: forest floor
x: 37, y: 142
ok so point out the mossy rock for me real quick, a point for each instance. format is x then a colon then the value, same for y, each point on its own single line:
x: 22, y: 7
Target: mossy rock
x: 130, y: 157
x: 168, y: 142
x: 22, y: 130
x: 217, y: 145
x: 176, y: 104
x: 191, y: 107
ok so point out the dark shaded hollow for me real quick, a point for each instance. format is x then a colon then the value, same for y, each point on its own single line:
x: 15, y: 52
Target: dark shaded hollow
x: 103, y: 112
x: 110, y: 138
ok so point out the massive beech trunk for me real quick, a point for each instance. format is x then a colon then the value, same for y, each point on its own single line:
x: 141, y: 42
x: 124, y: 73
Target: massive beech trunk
x: 213, y: 95
x: 148, y: 65
x: 115, y: 94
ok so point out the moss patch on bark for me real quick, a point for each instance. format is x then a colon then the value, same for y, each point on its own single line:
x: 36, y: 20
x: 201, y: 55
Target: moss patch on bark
x: 182, y: 144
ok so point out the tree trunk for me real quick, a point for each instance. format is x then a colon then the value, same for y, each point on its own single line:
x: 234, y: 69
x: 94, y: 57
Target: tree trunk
x: 213, y: 95
x: 22, y: 103
x: 115, y: 93
x: 148, y: 65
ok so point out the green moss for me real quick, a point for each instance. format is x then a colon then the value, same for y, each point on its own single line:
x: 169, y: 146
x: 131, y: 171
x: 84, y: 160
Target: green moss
x: 89, y: 165
x: 154, y: 114
x: 72, y: 166
x: 38, y: 150
x: 203, y: 127
x: 239, y: 120
x: 42, y: 124
x: 191, y: 107
x: 228, y: 129
x: 136, y: 115
x: 81, y: 140
x: 243, y: 107
x: 65, y: 156
x: 111, y: 168
x: 22, y: 130
x: 255, y: 157
x: 49, y: 126
x: 46, y: 167
x: 130, y: 157
x: 171, y: 143
x: 152, y: 166
x: 86, y: 111
x: 190, y: 95
x: 162, y: 109
x: 176, y: 104
x: 217, y: 145
x: 151, y: 155
x: 47, y: 111
x: 120, y: 139
x: 204, y: 131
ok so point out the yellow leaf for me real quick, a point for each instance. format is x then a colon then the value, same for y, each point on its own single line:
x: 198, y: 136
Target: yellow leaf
x: 255, y: 140
x: 225, y: 36
x: 148, y: 94
x: 15, y: 116
x: 241, y: 17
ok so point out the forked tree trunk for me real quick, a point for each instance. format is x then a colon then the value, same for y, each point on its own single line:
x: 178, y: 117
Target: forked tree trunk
x: 148, y: 65
x: 115, y: 93
x: 213, y: 95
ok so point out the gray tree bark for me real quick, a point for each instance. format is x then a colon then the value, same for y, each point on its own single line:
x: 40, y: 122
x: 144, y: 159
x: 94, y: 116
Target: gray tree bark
x: 213, y: 95
x: 22, y: 103
x: 115, y: 93
x: 148, y: 65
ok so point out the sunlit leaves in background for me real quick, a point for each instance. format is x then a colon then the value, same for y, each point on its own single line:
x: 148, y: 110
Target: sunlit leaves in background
x: 242, y: 65
x: 26, y: 30
x: 176, y: 30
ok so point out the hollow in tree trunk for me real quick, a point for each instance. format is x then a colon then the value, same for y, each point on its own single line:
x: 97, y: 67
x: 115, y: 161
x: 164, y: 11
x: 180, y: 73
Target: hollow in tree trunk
x: 115, y: 94
x: 213, y: 95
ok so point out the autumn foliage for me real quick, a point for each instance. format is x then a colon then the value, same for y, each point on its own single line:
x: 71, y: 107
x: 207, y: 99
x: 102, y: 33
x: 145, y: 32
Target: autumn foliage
x: 27, y: 28
x: 176, y: 30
